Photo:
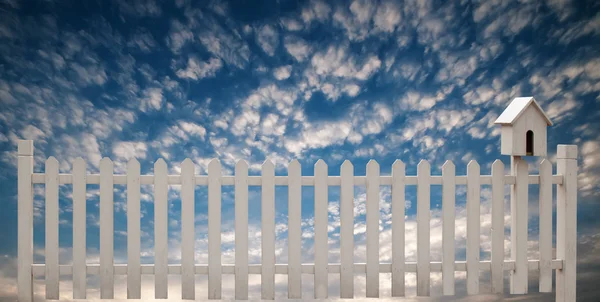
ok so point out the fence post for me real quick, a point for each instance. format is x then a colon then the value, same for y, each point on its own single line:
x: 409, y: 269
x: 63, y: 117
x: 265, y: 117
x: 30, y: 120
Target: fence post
x: 566, y: 223
x: 518, y: 229
x: 25, y: 223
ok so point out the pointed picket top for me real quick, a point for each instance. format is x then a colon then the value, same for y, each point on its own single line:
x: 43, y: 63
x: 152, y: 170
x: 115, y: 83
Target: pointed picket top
x: 106, y: 162
x: 52, y: 161
x: 321, y: 166
x: 187, y: 166
x: 373, y: 165
x: 79, y: 161
x: 214, y: 166
x: 160, y: 164
x: 241, y: 164
x: 347, y: 165
x: 133, y: 163
x: 498, y: 164
x: 268, y: 164
x: 398, y: 164
x: 294, y: 164
x: 545, y: 164
x: 473, y: 166
x: 423, y: 164
x: 448, y: 165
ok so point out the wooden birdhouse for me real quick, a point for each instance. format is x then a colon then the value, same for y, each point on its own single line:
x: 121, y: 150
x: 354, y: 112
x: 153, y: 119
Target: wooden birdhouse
x: 524, y: 128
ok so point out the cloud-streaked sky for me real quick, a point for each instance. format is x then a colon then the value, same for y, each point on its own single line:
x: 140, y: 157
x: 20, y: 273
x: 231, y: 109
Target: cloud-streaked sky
x: 285, y: 79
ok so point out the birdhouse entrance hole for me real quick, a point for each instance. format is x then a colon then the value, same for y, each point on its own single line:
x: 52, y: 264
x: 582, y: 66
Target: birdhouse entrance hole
x: 529, y: 143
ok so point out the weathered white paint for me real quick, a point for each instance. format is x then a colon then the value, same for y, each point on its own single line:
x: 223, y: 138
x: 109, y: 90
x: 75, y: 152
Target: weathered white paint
x: 241, y: 230
x: 134, y: 275
x: 497, y: 272
x: 473, y: 227
x: 448, y: 231
x: 268, y: 231
x: 161, y: 243
x: 294, y: 230
x: 347, y: 230
x: 320, y: 228
x: 518, y: 232
x: 545, y: 227
x: 398, y: 206
x: 566, y: 223
x: 423, y: 218
x: 79, y: 229
x: 518, y: 265
x: 187, y: 230
x: 372, y: 229
x: 51, y: 244
x: 106, y: 229
x: 214, y: 229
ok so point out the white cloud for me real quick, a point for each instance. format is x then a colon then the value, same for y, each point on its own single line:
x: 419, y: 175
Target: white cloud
x: 415, y: 101
x: 143, y: 40
x: 193, y: 129
x: 292, y: 24
x: 319, y: 136
x: 153, y: 99
x: 90, y: 74
x: 316, y: 10
x: 336, y: 61
x: 268, y: 39
x: 387, y: 17
x: 229, y: 46
x: 283, y: 72
x: 140, y: 8
x: 197, y: 70
x: 179, y: 35
x: 297, y: 48
x: 351, y: 90
x: 129, y: 150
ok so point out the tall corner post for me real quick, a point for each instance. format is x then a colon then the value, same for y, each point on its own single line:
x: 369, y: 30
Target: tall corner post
x: 518, y: 232
x: 566, y: 223
x: 25, y: 221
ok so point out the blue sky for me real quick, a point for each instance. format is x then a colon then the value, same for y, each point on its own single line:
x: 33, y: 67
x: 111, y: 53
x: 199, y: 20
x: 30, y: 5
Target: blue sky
x: 286, y: 79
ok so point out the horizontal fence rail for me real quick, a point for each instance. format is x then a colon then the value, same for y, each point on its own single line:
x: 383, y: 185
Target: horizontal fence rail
x: 518, y: 265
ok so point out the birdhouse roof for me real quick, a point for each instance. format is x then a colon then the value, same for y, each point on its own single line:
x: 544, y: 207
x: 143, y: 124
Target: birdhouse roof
x: 517, y: 107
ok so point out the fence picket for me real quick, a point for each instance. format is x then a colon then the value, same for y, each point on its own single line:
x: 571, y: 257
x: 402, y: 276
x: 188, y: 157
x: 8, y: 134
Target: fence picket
x: 79, y: 229
x: 161, y: 243
x: 241, y: 230
x: 188, y: 273
x: 268, y: 231
x: 372, y: 229
x: 134, y: 273
x: 214, y: 229
x: 51, y: 245
x: 497, y: 271
x: 448, y: 230
x: 423, y: 218
x: 473, y: 228
x: 106, y: 229
x: 518, y: 231
x: 320, y: 229
x: 347, y: 230
x: 294, y: 230
x: 398, y: 212
x: 545, y: 220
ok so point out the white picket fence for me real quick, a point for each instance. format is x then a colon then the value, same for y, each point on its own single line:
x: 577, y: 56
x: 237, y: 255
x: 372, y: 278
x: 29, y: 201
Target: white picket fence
x: 518, y: 265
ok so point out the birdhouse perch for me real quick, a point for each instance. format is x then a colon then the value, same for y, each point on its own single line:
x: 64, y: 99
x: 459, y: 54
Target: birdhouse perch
x: 524, y: 128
